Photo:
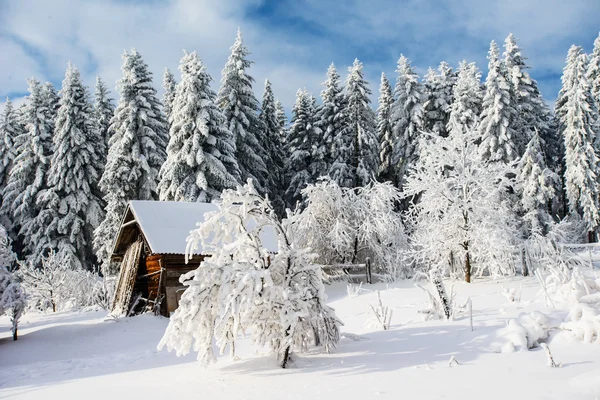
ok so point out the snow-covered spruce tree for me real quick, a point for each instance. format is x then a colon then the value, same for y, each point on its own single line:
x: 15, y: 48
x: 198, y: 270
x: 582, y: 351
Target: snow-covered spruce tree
x: 499, y: 116
x: 438, y: 88
x: 349, y: 225
x: 593, y: 71
x: 461, y: 223
x: 363, y: 157
x: 536, y: 185
x: 331, y: 119
x: 407, y: 118
x: 281, y: 120
x: 136, y: 152
x: 70, y: 207
x: 51, y: 101
x: 278, y: 299
x: 170, y: 87
x: 533, y: 112
x: 273, y: 146
x: 34, y: 150
x: 581, y: 159
x: 384, y: 131
x: 201, y: 152
x: 466, y: 106
x: 10, y: 128
x: 12, y: 298
x: 569, y: 80
x: 104, y: 110
x: 299, y: 149
x: 240, y: 107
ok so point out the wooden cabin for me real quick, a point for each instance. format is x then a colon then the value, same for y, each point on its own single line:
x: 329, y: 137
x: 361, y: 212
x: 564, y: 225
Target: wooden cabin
x: 151, y: 245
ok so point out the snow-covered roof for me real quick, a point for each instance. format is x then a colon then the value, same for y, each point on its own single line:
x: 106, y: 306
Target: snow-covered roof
x: 167, y: 224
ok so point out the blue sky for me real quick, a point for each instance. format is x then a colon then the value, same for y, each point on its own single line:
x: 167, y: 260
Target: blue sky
x: 292, y: 42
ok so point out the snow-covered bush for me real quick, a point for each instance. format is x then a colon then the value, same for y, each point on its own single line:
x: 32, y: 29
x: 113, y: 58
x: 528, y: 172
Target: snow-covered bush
x: 12, y: 298
x: 526, y: 331
x: 583, y: 323
x: 56, y: 285
x: 347, y: 226
x: 278, y: 299
x: 383, y: 314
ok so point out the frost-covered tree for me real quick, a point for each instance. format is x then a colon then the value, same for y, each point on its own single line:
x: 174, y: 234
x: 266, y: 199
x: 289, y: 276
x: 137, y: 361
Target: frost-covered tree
x: 331, y: 119
x: 466, y: 106
x: 299, y: 148
x: 278, y: 299
x: 349, y: 225
x: 201, y: 152
x: 12, y: 298
x: 499, y: 142
x: 10, y: 128
x: 240, y: 107
x: 533, y: 112
x: 407, y: 118
x: 438, y: 89
x: 581, y: 131
x: 274, y: 150
x: 70, y: 207
x: 536, y: 185
x: 461, y: 223
x: 51, y: 101
x: 170, y: 87
x: 34, y: 151
x: 357, y: 147
x: 569, y: 80
x: 593, y: 71
x: 136, y: 152
x: 104, y: 110
x: 384, y: 131
x: 281, y: 120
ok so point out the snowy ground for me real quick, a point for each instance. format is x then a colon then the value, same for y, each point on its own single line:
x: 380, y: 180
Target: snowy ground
x: 79, y: 355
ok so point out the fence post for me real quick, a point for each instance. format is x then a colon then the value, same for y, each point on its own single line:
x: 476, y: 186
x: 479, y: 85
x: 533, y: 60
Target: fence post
x: 368, y: 266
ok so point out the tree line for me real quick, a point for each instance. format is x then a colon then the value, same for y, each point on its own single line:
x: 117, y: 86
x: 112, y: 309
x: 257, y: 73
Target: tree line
x: 71, y: 161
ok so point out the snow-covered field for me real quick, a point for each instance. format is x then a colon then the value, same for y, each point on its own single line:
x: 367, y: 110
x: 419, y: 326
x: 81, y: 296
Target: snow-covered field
x: 80, y: 355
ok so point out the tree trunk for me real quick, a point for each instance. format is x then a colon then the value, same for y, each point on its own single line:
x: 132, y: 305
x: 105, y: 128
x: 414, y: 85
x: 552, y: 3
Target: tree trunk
x: 591, y: 237
x: 286, y: 357
x: 15, y: 337
x: 524, y: 269
x: 467, y: 263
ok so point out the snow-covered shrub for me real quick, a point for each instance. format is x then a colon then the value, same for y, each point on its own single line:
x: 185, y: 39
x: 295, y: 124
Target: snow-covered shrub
x: 583, y: 323
x: 526, y: 331
x: 440, y: 303
x: 278, y: 299
x: 346, y: 225
x: 56, y: 285
x: 353, y: 290
x: 12, y: 298
x: 383, y: 314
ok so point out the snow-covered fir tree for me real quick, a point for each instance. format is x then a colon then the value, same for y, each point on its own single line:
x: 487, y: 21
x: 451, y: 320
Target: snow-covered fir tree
x: 461, y: 224
x: 330, y: 119
x: 70, y: 207
x: 240, y: 107
x: 170, y: 87
x: 281, y: 120
x: 278, y: 299
x: 12, y: 297
x: 51, y: 101
x: 466, y: 106
x: 136, y: 152
x: 536, y: 185
x: 358, y: 146
x: 499, y: 115
x: 299, y: 148
x: 533, y: 112
x: 593, y: 71
x: 438, y: 88
x: 201, y: 152
x: 34, y: 150
x: 10, y: 128
x: 407, y: 118
x: 581, y: 131
x: 569, y: 80
x: 104, y: 110
x: 385, y: 131
x: 274, y: 149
